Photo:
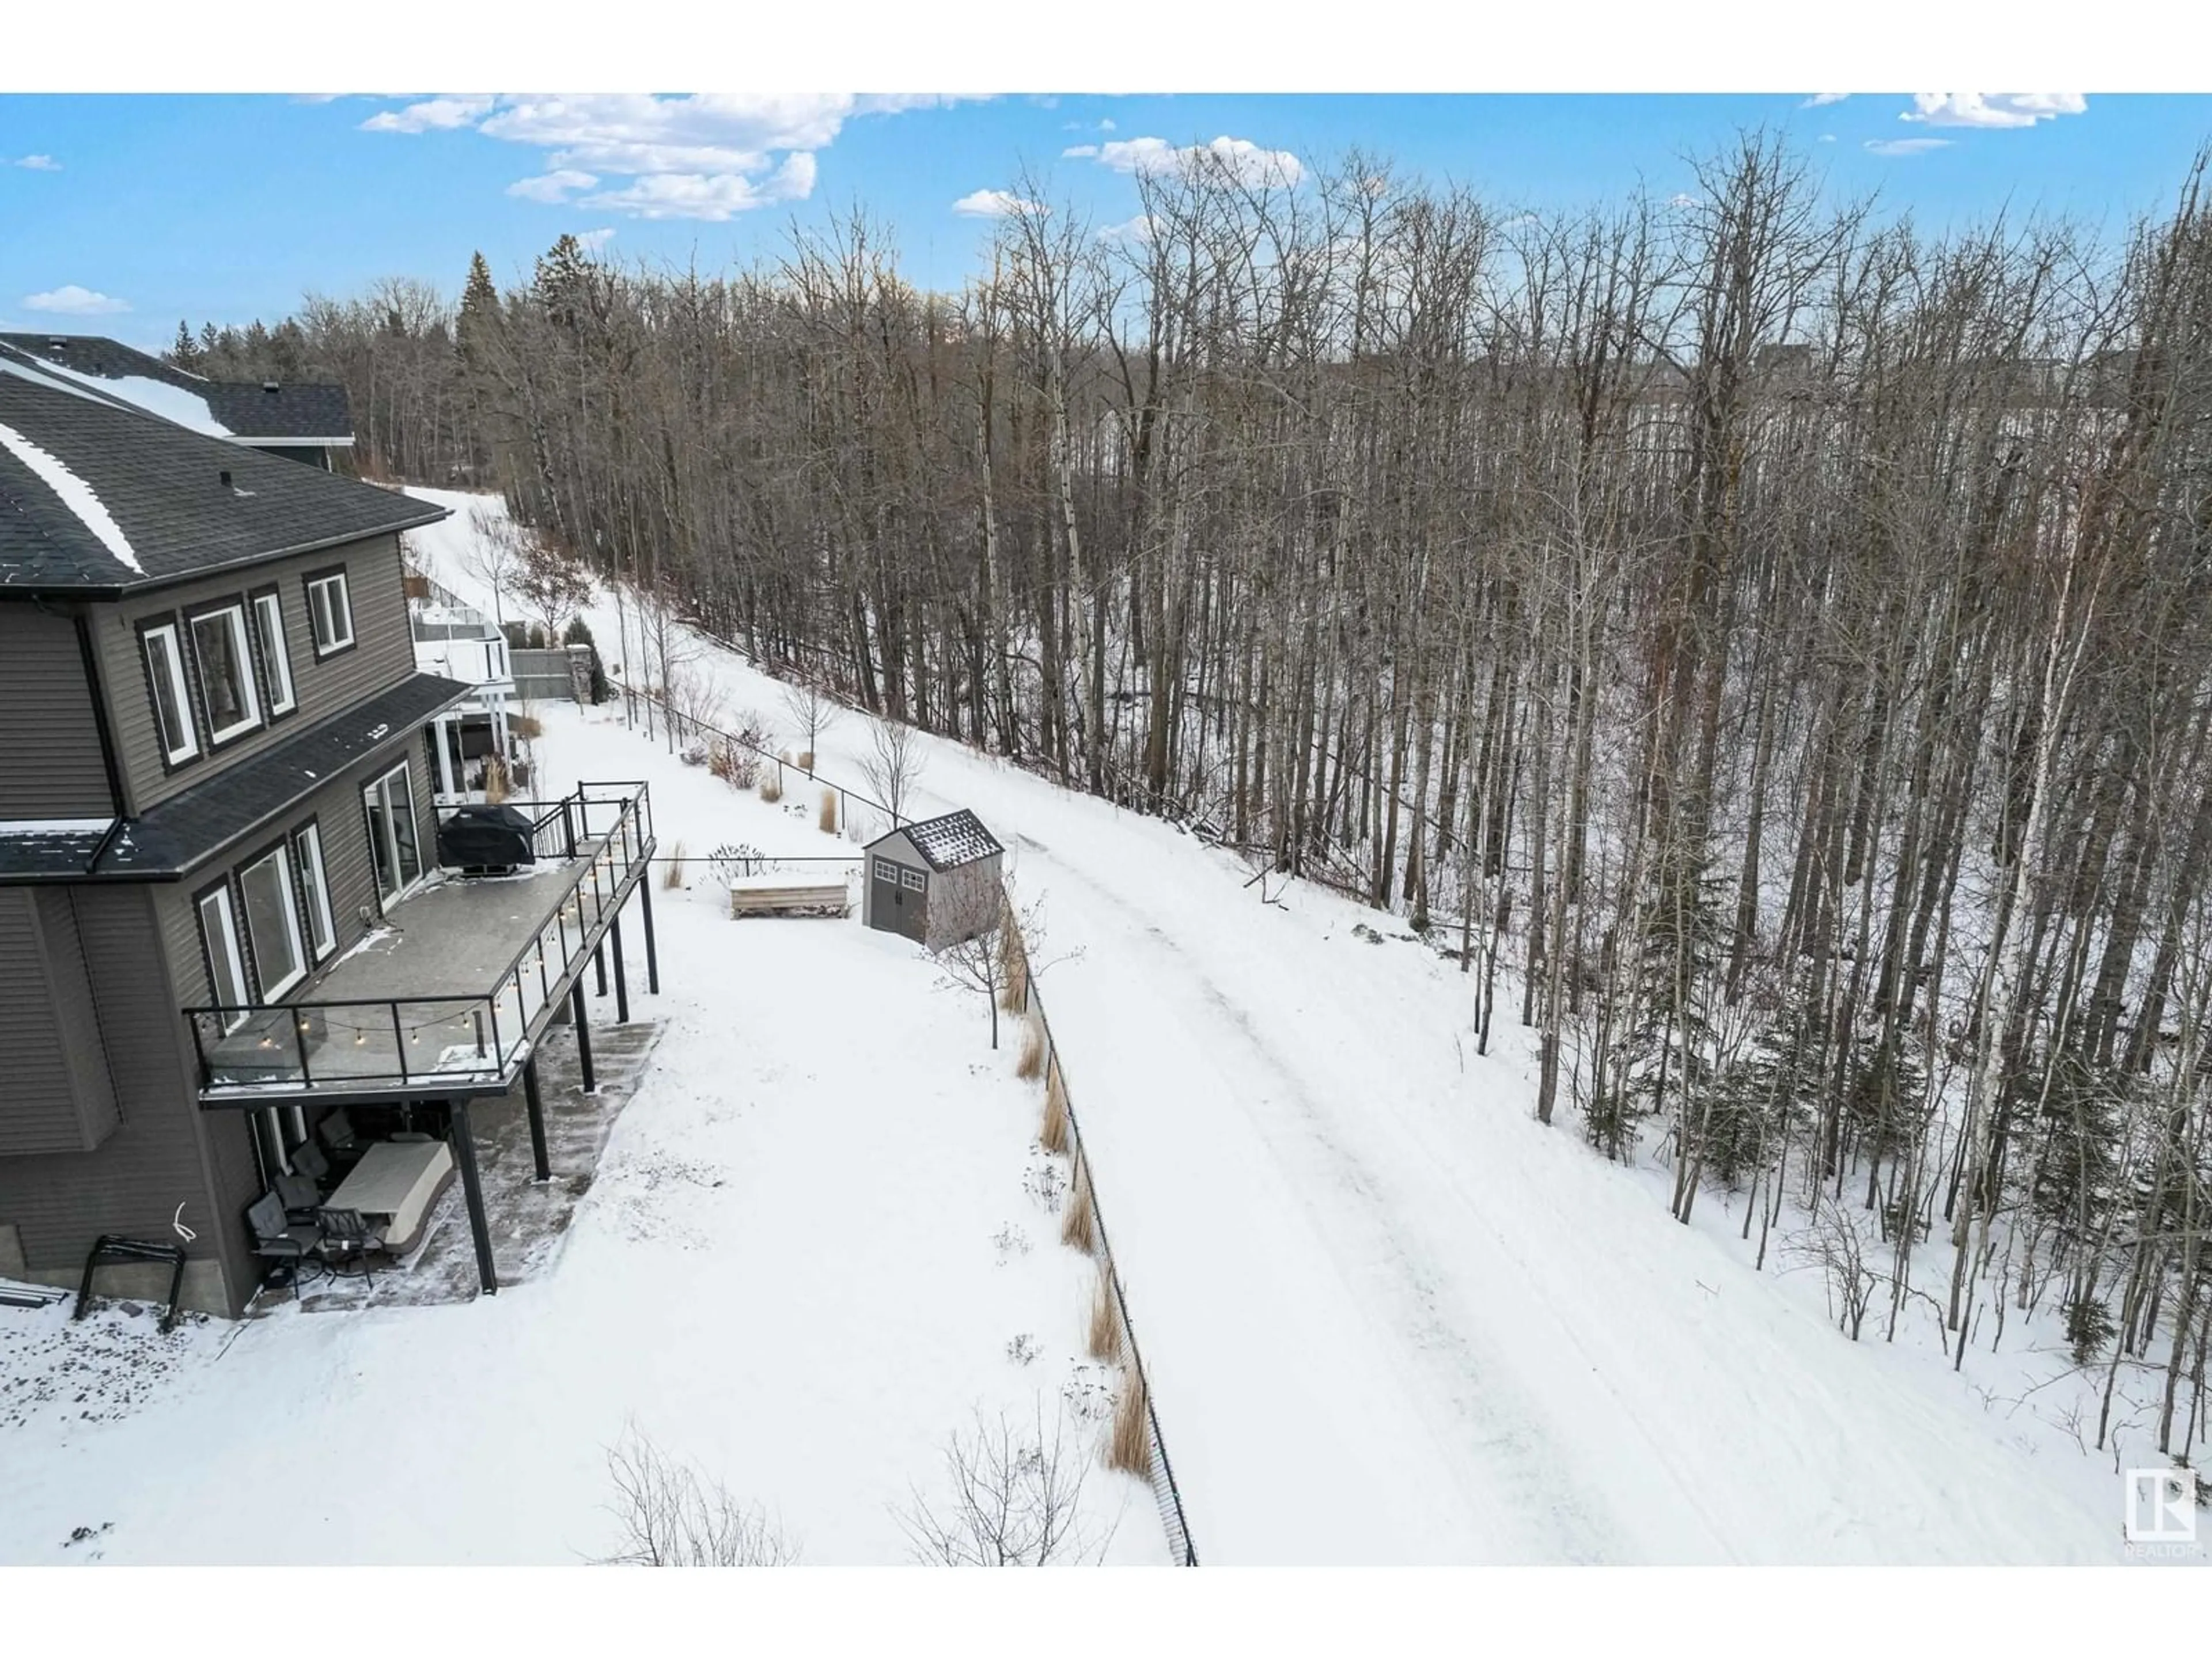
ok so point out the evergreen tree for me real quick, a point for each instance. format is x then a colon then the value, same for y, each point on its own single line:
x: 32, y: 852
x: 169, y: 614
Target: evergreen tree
x: 185, y: 353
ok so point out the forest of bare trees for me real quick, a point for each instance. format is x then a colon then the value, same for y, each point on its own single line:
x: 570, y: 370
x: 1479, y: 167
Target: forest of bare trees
x: 1768, y: 645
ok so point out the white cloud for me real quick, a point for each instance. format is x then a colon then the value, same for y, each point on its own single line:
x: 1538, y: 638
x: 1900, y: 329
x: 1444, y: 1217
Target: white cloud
x: 1681, y: 199
x: 1820, y: 98
x: 994, y: 204
x: 70, y: 300
x: 1992, y: 109
x: 709, y: 195
x: 593, y: 240
x: 1827, y: 139
x: 432, y: 115
x: 1243, y: 160
x: 555, y: 187
x: 1105, y: 125
x: 660, y: 157
x: 1139, y: 229
x: 1906, y: 146
x: 37, y: 163
x: 1079, y: 152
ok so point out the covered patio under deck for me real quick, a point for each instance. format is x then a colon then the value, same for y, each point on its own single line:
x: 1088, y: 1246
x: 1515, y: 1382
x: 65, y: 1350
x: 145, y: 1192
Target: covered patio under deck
x: 445, y: 1003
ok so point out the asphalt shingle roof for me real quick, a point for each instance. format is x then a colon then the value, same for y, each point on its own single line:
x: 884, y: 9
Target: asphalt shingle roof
x: 312, y: 411
x: 171, y: 839
x: 951, y: 841
x: 163, y: 485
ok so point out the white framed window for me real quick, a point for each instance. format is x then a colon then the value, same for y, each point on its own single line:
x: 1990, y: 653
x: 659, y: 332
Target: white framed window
x: 226, y: 666
x: 912, y: 880
x: 272, y: 923
x: 226, y: 964
x: 886, y: 870
x: 394, y: 847
x: 268, y: 622
x: 330, y: 611
x: 164, y: 671
x: 307, y: 850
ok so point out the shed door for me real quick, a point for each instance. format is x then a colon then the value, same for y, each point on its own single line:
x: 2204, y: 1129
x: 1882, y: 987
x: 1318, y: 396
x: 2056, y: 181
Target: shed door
x: 897, y: 899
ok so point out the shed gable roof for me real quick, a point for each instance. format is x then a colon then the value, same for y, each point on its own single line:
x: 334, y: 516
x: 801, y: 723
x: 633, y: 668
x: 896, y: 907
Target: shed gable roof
x: 948, y: 842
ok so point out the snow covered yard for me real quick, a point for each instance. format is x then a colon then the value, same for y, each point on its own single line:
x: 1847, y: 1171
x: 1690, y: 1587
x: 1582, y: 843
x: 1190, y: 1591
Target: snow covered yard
x: 808, y: 1257
x: 1387, y: 1316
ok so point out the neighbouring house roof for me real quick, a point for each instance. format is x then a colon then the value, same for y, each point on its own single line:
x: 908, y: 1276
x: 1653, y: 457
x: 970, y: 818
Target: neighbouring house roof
x: 97, y: 496
x: 245, y: 412
x: 169, y: 840
x: 948, y: 842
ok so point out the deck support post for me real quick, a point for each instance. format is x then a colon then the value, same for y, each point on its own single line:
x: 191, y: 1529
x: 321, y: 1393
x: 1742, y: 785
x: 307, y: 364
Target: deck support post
x: 600, y: 963
x: 463, y: 1136
x: 583, y: 1035
x: 622, y: 978
x: 536, y: 1104
x: 651, y: 954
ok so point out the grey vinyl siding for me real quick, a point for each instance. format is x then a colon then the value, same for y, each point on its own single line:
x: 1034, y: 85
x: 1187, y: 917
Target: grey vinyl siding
x: 38, y: 1108
x: 382, y: 655
x: 336, y: 808
x: 51, y: 765
x: 164, y: 1153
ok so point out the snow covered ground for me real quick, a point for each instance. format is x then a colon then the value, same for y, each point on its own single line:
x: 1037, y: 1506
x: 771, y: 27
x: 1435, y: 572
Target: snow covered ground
x: 1388, y: 1317
x: 807, y: 1258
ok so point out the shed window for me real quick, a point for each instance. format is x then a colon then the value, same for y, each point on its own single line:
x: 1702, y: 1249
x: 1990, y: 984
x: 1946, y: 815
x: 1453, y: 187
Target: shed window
x: 226, y: 672
x: 165, y: 666
x: 912, y: 880
x: 886, y: 870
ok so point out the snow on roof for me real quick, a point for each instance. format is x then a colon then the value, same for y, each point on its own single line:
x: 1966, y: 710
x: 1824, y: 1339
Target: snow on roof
x: 76, y: 495
x: 956, y: 838
x: 172, y: 403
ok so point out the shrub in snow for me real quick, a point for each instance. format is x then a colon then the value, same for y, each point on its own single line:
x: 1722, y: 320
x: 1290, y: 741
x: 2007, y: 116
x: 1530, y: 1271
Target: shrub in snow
x: 1031, y: 1062
x: 1129, y: 1448
x: 698, y: 754
x: 734, y: 859
x: 1011, y: 1242
x: 672, y: 877
x: 771, y: 786
x: 1023, y: 1350
x: 1104, y: 1336
x: 1079, y: 1227
x: 1052, y: 1132
x: 826, y: 819
x: 1046, y: 1183
x: 1011, y: 1497
x: 669, y: 1517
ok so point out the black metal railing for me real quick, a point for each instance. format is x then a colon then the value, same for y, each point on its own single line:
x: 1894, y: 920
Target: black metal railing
x: 402, y: 1042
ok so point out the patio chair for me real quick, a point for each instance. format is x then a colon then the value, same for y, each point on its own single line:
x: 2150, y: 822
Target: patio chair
x: 337, y: 1134
x: 289, y: 1249
x: 302, y: 1197
x: 307, y: 1159
x: 347, y: 1241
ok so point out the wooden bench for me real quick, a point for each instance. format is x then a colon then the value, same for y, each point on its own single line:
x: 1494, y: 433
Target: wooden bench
x: 781, y: 896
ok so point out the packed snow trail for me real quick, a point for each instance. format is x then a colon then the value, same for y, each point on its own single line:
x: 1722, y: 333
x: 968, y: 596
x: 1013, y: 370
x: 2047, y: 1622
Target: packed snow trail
x: 1389, y: 1318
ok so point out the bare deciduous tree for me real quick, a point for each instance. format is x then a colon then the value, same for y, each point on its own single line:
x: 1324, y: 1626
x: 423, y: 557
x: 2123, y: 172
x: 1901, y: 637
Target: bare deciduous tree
x: 670, y: 1516
x: 1012, y: 1497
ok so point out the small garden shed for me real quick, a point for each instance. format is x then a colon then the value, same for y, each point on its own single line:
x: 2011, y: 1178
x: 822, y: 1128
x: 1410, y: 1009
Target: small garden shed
x: 936, y: 882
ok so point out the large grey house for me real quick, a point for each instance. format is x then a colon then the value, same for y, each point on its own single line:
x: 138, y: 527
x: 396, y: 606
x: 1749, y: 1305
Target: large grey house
x: 216, y: 799
x: 306, y: 421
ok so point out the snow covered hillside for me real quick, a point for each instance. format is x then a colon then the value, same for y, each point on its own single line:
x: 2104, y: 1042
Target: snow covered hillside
x: 1387, y: 1316
x: 809, y: 1255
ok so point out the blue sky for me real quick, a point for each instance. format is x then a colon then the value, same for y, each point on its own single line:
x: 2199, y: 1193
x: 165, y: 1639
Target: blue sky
x: 231, y: 207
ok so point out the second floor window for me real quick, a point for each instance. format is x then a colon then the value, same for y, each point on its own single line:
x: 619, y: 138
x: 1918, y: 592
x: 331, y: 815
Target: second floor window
x: 268, y: 622
x: 165, y: 669
x: 226, y: 672
x: 330, y: 609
